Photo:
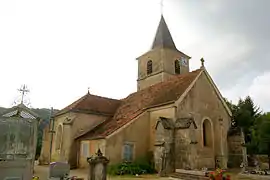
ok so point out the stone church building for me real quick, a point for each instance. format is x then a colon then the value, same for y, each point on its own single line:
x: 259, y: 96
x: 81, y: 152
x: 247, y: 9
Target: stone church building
x: 175, y: 113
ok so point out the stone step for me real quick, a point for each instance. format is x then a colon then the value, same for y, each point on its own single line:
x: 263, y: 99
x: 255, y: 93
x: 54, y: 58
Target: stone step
x: 186, y: 176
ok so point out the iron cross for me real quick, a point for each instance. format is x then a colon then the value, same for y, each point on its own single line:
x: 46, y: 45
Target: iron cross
x: 23, y: 90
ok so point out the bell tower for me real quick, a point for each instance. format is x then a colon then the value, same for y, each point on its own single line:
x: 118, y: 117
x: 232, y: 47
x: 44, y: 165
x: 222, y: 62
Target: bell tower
x: 162, y: 61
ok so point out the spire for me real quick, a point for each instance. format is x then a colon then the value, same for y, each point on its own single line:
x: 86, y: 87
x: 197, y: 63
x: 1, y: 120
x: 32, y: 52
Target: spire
x: 163, y: 36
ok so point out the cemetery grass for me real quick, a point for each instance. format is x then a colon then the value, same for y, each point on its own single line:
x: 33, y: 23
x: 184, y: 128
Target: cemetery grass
x: 131, y: 177
x: 42, y: 172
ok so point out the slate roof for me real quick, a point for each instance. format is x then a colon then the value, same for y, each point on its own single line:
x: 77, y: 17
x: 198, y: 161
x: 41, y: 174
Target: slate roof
x: 163, y: 39
x: 136, y: 103
x: 163, y: 36
x: 92, y: 103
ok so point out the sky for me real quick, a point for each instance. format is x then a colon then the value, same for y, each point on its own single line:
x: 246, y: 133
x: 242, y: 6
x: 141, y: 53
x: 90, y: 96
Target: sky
x: 60, y: 48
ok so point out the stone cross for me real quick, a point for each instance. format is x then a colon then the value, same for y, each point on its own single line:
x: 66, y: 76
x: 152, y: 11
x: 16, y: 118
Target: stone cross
x: 202, y: 62
x: 97, y: 166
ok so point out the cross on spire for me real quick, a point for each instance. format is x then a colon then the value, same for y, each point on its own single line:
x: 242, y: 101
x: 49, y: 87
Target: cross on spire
x: 23, y: 90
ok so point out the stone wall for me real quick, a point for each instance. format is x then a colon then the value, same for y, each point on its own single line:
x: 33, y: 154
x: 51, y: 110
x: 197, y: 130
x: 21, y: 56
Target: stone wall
x: 182, y: 147
x: 164, y: 156
x: 237, y: 152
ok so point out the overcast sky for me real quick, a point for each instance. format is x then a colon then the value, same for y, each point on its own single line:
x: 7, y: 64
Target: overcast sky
x: 59, y: 48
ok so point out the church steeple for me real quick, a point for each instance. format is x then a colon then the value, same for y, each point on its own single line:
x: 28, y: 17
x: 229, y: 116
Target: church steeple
x: 162, y: 61
x: 163, y: 38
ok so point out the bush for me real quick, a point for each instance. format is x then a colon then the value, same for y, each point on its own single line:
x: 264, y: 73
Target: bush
x: 140, y: 166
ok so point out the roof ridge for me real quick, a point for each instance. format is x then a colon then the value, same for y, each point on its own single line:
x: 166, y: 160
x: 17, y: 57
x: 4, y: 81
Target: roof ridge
x: 104, y: 97
x: 72, y: 105
x: 81, y: 102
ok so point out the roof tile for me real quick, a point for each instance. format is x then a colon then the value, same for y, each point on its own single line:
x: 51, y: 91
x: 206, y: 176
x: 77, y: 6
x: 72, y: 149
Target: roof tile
x: 93, y: 103
x: 137, y: 102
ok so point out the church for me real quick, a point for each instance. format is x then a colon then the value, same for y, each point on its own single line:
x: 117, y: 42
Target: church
x: 174, y: 112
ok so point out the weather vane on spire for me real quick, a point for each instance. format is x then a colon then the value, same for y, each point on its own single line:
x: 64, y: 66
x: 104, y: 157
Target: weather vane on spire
x: 23, y: 91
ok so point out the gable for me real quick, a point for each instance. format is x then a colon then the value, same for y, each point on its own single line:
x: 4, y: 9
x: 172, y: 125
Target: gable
x: 206, y: 78
x: 218, y: 93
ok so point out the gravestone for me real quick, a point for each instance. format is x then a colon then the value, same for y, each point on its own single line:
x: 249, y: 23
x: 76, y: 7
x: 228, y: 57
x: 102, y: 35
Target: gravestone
x: 59, y: 170
x: 97, y: 167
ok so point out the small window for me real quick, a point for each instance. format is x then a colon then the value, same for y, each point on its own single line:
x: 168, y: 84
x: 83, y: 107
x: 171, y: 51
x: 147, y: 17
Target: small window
x: 85, y: 149
x: 149, y: 67
x: 128, y: 152
x: 207, y: 134
x: 177, y: 66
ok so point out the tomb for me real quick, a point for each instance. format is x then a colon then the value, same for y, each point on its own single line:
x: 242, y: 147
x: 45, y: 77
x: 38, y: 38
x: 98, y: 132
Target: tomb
x: 18, y: 139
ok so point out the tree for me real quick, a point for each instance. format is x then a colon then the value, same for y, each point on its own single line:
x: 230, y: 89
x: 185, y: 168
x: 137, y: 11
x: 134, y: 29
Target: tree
x: 264, y: 134
x: 246, y: 115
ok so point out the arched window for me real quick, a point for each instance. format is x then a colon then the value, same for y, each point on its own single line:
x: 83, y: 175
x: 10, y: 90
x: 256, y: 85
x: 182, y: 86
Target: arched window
x: 59, y: 137
x: 207, y: 133
x: 149, y: 67
x: 176, y: 67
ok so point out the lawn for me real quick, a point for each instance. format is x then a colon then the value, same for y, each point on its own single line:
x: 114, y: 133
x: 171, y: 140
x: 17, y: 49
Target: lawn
x: 148, y: 177
x: 42, y: 172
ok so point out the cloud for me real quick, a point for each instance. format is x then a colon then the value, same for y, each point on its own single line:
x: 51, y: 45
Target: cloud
x: 60, y: 48
x: 259, y: 90
x: 234, y: 40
